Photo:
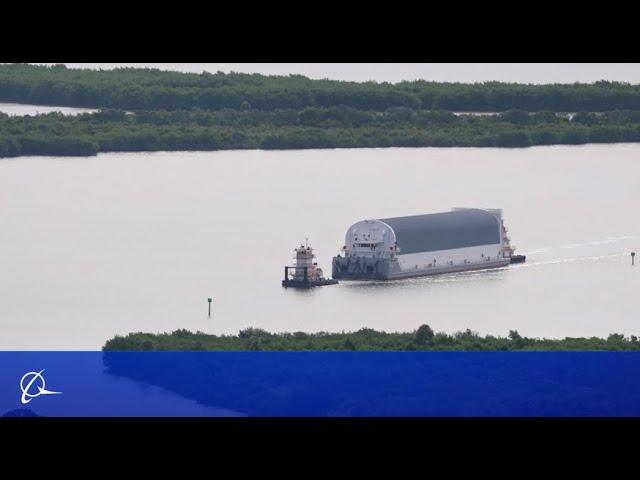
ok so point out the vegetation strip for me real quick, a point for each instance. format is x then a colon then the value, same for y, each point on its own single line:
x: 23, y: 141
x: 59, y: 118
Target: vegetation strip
x: 335, y: 127
x: 366, y: 339
x: 153, y: 89
x: 153, y: 110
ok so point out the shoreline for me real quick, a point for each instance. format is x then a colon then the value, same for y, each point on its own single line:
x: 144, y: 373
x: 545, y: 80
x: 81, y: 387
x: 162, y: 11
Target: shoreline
x: 366, y: 340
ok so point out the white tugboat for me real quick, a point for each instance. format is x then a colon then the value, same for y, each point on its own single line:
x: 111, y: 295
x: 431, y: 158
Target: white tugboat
x: 305, y: 272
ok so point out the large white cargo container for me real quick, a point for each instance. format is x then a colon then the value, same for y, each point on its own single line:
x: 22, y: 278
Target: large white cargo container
x: 401, y: 247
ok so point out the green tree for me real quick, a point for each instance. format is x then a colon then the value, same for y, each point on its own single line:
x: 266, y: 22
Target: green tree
x: 424, y: 335
x: 615, y: 338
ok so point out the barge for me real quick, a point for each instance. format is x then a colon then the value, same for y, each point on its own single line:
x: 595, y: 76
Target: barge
x: 403, y: 247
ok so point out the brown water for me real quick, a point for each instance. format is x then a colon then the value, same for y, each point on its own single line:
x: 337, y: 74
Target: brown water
x: 92, y: 247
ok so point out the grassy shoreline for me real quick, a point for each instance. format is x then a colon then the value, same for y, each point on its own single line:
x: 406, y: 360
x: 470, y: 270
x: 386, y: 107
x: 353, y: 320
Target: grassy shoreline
x: 422, y: 339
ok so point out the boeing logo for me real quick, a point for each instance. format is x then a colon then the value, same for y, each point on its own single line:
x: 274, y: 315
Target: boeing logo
x: 27, y: 392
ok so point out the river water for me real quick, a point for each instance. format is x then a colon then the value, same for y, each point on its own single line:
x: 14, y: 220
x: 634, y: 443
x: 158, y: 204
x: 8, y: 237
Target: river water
x: 118, y: 243
x: 21, y: 109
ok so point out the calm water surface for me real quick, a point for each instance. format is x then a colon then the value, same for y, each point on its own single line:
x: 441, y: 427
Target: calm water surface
x: 93, y: 247
x: 21, y: 109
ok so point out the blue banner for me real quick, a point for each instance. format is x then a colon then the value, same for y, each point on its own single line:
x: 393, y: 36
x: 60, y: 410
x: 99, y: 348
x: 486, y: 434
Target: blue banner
x: 319, y: 384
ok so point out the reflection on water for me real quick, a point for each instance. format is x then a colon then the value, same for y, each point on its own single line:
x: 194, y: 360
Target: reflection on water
x: 131, y: 242
x: 425, y: 281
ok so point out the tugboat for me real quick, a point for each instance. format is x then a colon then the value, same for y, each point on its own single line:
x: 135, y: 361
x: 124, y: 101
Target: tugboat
x: 305, y: 273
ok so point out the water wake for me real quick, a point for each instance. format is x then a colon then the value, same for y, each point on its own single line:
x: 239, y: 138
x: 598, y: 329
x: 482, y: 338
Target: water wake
x: 605, y: 241
x: 591, y: 258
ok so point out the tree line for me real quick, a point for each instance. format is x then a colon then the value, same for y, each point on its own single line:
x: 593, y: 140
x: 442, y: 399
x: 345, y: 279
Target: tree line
x: 151, y: 89
x: 313, y: 127
x: 366, y: 339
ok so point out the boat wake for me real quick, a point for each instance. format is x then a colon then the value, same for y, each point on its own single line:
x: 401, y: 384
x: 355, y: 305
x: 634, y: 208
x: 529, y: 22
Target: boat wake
x: 591, y: 258
x: 498, y: 273
x: 569, y: 246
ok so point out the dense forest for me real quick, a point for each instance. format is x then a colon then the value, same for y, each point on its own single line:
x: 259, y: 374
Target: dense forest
x: 151, y: 110
x: 366, y: 339
x: 334, y: 127
x: 152, y: 89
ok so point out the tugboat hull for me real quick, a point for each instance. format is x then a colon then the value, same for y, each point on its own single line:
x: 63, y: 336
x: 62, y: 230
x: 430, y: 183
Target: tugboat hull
x: 308, y: 284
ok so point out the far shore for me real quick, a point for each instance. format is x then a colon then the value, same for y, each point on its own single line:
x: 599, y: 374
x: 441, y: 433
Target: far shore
x: 366, y: 339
